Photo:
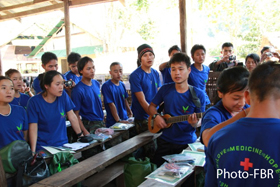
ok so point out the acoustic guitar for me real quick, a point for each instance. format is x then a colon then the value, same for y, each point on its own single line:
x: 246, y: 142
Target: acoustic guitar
x: 169, y: 121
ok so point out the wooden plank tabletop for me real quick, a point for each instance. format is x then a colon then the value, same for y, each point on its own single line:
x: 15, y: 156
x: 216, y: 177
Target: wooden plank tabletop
x: 116, y: 134
x: 88, y: 167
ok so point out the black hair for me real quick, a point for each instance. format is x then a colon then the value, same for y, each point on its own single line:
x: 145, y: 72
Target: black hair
x: 265, y: 48
x: 73, y: 58
x: 253, y: 56
x: 114, y: 63
x: 227, y: 44
x: 174, y: 47
x: 10, y: 72
x: 26, y: 82
x: 180, y: 57
x: 82, y: 63
x: 5, y: 78
x: 47, y: 78
x: 232, y: 80
x: 138, y: 63
x: 47, y: 57
x: 264, y: 80
x: 197, y: 47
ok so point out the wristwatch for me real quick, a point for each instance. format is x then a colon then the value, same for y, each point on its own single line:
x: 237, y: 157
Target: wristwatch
x: 154, y: 116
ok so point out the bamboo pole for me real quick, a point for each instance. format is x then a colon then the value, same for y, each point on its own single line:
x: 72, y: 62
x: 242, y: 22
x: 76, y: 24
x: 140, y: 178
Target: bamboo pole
x: 67, y: 27
x: 183, y: 25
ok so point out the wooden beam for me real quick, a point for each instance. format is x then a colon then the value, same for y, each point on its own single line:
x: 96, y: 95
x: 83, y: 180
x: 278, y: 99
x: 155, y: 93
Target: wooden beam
x: 75, y: 3
x: 22, y: 5
x: 183, y: 25
x: 67, y: 27
x: 122, y: 2
x: 32, y: 12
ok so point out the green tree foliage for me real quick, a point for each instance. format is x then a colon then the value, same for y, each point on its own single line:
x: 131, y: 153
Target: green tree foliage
x: 246, y: 21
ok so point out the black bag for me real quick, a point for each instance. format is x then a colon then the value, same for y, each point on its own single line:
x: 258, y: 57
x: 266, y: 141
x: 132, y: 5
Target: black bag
x: 14, y: 154
x: 31, y: 171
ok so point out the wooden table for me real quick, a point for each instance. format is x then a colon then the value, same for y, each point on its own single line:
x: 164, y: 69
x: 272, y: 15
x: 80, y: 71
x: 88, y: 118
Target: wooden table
x: 96, y: 163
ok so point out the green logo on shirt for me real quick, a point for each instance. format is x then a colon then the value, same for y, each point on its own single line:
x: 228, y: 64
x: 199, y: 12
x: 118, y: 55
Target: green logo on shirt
x: 185, y: 109
x: 99, y: 95
x: 19, y: 128
x: 156, y: 84
x: 62, y: 114
x: 123, y: 95
x: 205, y: 81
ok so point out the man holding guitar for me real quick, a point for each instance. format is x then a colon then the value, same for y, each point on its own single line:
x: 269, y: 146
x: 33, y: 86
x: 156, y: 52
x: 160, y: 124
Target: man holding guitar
x: 178, y: 101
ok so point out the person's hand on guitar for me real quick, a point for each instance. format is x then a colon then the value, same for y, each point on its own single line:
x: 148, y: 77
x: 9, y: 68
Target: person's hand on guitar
x: 193, y: 120
x: 160, y: 122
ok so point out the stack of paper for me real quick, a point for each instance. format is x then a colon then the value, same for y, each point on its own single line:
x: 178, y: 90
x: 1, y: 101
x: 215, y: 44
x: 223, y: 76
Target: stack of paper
x: 76, y: 146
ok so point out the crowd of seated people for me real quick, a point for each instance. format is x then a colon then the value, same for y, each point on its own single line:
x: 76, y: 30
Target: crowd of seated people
x: 40, y: 118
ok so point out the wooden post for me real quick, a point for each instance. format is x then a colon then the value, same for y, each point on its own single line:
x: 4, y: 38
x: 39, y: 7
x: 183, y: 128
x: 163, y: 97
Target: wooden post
x: 64, y: 64
x: 183, y: 25
x: 67, y: 27
x: 3, y: 181
x: 0, y: 63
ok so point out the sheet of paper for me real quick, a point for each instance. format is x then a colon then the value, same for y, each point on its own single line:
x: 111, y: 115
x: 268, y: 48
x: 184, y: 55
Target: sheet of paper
x: 76, y: 146
x: 54, y: 150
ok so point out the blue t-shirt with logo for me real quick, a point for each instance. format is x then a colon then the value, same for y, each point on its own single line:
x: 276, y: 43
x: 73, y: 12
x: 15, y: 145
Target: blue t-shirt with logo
x: 70, y: 75
x: 199, y: 79
x: 36, y: 84
x: 50, y: 118
x: 21, y: 101
x: 87, y: 100
x: 215, y: 115
x: 248, y: 146
x: 166, y: 75
x: 177, y: 104
x: 114, y: 94
x: 148, y: 83
x: 13, y: 125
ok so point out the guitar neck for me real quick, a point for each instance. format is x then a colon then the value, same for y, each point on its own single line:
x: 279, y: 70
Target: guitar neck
x: 178, y: 119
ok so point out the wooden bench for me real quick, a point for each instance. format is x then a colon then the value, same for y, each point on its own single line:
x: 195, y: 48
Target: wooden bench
x: 96, y: 163
x: 114, y: 171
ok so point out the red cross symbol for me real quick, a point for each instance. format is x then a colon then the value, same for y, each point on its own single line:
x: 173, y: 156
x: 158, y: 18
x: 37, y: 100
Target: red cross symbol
x: 246, y: 164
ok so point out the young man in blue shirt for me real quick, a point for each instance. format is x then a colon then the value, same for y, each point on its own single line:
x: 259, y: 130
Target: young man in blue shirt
x: 73, y: 73
x: 86, y: 96
x: 144, y: 84
x: 115, y: 97
x: 245, y: 152
x: 178, y: 101
x: 49, y: 62
x: 164, y: 68
x: 199, y: 72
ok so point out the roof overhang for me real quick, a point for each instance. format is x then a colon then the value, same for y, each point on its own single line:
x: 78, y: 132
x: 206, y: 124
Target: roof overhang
x: 22, y: 8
